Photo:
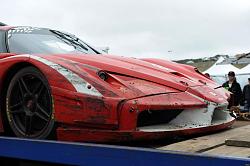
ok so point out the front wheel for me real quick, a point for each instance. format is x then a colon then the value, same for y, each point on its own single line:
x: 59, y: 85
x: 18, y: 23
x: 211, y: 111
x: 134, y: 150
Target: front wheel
x: 29, y: 105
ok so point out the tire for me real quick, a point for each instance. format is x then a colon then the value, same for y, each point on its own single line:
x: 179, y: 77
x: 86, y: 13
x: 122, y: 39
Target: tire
x: 29, y: 105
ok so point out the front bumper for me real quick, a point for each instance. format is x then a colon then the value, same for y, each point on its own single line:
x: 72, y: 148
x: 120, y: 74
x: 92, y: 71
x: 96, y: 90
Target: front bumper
x: 106, y: 136
x: 196, y: 117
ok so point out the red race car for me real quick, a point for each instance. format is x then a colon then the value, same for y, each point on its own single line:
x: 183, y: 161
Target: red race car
x: 54, y: 85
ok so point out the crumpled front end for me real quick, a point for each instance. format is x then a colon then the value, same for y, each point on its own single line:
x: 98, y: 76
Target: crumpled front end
x: 170, y: 112
x: 192, y: 118
x: 158, y: 116
x: 121, y: 99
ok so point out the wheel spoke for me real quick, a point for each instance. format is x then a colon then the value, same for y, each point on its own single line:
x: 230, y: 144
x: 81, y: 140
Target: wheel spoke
x: 28, y: 124
x: 19, y: 104
x: 20, y: 88
x: 40, y: 109
x: 41, y: 116
x: 38, y: 90
x: 16, y: 111
x: 24, y: 85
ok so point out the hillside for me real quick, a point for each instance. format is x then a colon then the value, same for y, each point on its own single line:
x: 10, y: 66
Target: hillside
x: 204, y: 63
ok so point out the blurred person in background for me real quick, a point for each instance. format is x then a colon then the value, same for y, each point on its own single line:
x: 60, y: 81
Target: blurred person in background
x: 234, y: 87
x: 246, y: 97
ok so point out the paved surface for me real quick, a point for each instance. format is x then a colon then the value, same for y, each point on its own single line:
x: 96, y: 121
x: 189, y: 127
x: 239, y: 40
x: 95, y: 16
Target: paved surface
x: 239, y: 123
x: 216, y: 143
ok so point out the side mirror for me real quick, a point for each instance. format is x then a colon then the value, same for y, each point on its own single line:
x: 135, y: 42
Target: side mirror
x: 104, y: 49
x: 2, y: 24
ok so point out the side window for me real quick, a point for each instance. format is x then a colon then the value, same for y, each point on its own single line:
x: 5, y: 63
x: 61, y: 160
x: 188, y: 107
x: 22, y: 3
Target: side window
x: 2, y: 42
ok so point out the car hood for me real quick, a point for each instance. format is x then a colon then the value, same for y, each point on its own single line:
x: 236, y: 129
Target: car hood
x: 173, y: 78
x: 134, y: 68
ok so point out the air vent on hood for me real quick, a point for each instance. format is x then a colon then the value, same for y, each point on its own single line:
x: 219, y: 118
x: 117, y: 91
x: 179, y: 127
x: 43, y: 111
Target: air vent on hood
x: 103, y: 75
x: 178, y: 74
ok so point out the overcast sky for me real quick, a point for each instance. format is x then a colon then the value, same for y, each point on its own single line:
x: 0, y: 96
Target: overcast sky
x: 167, y: 29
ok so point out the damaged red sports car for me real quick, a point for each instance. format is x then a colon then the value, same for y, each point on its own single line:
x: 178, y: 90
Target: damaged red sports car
x: 54, y: 85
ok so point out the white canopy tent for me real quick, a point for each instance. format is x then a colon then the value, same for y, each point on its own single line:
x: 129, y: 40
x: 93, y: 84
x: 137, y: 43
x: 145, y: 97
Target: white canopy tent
x: 219, y: 72
x: 223, y: 69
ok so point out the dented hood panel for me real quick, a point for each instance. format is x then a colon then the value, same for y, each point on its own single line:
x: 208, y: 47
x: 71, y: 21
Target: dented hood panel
x: 135, y: 68
x: 171, y: 75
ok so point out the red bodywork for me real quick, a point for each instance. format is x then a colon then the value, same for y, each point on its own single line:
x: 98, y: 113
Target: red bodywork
x: 133, y: 86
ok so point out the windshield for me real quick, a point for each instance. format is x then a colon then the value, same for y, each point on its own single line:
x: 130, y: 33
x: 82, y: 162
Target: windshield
x: 29, y: 40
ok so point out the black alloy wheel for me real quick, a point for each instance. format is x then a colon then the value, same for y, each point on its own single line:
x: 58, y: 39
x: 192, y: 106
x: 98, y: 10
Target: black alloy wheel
x: 29, y: 105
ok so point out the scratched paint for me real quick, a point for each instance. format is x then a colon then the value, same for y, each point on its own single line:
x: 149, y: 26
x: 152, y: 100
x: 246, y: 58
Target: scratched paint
x: 79, y: 83
x: 88, y: 108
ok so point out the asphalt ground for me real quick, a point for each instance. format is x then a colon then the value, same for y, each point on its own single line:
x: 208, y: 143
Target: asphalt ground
x: 240, y: 123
